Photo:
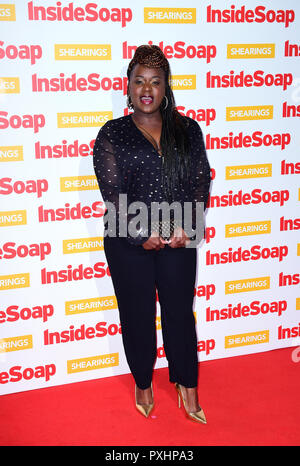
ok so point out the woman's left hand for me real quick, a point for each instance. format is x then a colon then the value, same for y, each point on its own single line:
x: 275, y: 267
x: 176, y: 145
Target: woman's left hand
x: 179, y: 239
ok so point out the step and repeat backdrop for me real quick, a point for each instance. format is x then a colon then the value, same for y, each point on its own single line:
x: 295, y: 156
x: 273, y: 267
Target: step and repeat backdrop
x: 235, y: 70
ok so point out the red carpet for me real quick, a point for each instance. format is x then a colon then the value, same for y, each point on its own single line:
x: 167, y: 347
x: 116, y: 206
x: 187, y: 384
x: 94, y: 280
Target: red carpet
x: 248, y: 400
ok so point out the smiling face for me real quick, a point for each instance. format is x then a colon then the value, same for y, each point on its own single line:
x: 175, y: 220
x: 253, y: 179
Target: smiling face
x: 146, y: 88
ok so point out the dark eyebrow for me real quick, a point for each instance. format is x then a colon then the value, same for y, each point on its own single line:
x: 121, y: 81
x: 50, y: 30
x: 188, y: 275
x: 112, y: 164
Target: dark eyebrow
x: 141, y: 76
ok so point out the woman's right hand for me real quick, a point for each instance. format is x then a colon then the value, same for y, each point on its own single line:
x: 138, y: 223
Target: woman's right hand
x: 155, y: 242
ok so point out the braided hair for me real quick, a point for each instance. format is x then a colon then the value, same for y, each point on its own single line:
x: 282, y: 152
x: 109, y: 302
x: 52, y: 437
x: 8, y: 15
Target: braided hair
x: 174, y: 138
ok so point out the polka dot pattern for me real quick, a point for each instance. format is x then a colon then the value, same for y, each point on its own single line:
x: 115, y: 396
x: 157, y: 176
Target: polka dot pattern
x: 125, y: 162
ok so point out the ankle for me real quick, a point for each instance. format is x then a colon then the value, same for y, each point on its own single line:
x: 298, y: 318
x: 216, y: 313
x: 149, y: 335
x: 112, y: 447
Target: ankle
x: 144, y: 396
x: 190, y: 396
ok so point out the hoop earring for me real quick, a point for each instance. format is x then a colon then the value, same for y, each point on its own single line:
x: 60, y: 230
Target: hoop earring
x: 129, y: 103
x: 167, y: 103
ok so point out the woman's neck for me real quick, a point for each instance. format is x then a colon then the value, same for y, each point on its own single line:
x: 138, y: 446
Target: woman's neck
x: 145, y: 119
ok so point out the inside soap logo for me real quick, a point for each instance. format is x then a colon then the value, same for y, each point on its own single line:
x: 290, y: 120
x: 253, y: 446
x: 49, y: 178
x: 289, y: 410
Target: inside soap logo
x: 36, y: 187
x: 90, y: 12
x: 21, y: 52
x: 35, y: 122
x: 260, y: 15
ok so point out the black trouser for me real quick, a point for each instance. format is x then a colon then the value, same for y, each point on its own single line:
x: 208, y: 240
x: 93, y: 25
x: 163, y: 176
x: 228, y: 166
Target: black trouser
x: 136, y: 273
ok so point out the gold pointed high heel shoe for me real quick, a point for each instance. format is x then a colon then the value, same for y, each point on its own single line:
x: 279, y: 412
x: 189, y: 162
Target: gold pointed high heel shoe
x: 199, y: 416
x: 144, y: 409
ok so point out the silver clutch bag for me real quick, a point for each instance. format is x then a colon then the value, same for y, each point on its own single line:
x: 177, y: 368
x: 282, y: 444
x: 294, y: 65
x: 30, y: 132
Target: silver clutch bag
x: 165, y: 229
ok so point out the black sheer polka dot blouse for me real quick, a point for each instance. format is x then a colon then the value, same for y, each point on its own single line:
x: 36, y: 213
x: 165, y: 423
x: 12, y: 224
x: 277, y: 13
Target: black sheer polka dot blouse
x: 126, y: 162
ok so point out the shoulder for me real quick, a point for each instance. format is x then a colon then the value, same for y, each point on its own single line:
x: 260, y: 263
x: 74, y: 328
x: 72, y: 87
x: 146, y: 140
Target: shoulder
x: 115, y: 125
x: 110, y: 133
x: 192, y: 125
x: 195, y: 135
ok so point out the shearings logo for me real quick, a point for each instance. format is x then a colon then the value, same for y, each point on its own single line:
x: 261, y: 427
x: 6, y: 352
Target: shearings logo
x: 258, y: 170
x: 18, y: 280
x: 83, y: 119
x: 170, y: 15
x: 11, y: 153
x: 250, y: 228
x: 15, y: 343
x: 81, y: 306
x: 11, y: 218
x: 78, y: 183
x: 71, y: 246
x: 251, y: 112
x: 245, y: 339
x: 101, y: 361
x: 7, y: 12
x: 9, y: 85
x: 183, y: 82
x: 250, y: 51
x: 82, y: 51
x: 247, y: 284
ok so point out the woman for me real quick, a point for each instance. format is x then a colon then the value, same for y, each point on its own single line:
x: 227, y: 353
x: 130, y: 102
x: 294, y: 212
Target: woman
x: 154, y: 155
